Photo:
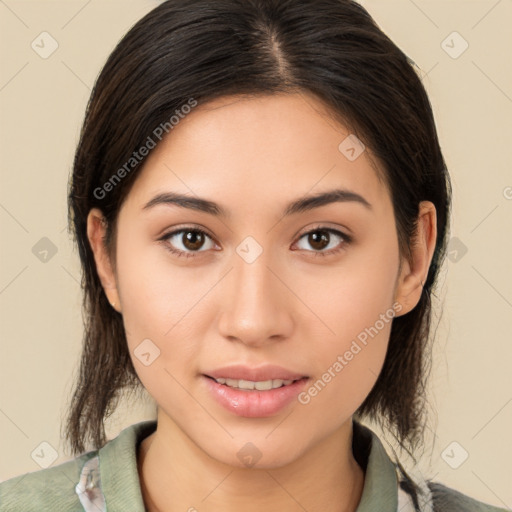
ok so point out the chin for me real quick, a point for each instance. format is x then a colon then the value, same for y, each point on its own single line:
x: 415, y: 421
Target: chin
x: 255, y: 455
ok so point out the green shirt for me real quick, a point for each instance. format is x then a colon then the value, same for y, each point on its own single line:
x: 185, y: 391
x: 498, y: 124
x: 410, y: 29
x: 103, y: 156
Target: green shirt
x: 107, y: 480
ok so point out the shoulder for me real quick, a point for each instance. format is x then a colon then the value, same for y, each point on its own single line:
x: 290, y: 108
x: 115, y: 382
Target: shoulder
x: 52, y: 488
x: 415, y: 491
x: 109, y: 473
x: 447, y: 499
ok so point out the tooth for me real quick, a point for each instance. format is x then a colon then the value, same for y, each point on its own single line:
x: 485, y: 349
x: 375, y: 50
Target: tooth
x: 246, y: 384
x: 250, y: 385
x: 263, y: 385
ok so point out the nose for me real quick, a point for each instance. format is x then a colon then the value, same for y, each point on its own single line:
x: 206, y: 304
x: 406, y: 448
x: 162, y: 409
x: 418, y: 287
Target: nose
x: 256, y: 305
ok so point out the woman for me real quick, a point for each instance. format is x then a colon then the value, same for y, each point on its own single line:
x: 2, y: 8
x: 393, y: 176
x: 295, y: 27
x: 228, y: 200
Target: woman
x: 261, y: 209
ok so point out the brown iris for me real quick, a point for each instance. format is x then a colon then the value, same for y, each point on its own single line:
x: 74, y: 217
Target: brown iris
x: 193, y: 240
x: 318, y: 241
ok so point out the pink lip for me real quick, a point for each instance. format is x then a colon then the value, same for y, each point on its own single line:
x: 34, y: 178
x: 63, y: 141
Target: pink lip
x: 254, y: 403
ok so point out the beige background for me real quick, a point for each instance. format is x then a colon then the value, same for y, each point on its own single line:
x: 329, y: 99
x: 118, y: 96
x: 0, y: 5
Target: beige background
x: 42, y: 103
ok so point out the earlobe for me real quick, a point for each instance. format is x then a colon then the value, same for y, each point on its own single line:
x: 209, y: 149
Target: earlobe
x: 96, y: 228
x: 414, y: 273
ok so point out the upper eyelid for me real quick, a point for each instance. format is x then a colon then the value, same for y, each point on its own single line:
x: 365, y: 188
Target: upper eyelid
x: 174, y: 232
x: 322, y: 227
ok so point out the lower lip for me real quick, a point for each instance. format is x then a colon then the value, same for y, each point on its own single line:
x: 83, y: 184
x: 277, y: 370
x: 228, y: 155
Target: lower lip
x: 254, y: 403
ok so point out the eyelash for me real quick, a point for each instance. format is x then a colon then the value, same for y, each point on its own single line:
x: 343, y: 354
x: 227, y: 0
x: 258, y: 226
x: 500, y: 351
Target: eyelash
x: 347, y: 239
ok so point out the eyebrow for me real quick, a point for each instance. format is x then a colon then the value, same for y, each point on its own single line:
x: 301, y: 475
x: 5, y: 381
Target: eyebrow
x: 300, y: 205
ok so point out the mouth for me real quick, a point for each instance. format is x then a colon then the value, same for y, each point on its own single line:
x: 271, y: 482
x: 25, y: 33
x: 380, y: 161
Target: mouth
x: 254, y: 393
x: 251, y: 385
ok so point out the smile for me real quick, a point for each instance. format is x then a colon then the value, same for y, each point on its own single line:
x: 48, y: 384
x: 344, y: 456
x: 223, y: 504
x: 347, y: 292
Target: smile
x: 249, y: 385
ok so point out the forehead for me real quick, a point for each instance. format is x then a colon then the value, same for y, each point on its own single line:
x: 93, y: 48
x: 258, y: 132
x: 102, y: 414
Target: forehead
x: 266, y: 148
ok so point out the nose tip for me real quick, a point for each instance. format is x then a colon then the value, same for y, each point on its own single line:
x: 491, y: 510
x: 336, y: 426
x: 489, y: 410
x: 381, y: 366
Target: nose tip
x: 255, y: 310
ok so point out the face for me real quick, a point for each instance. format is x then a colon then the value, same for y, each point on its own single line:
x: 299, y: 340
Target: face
x: 257, y: 291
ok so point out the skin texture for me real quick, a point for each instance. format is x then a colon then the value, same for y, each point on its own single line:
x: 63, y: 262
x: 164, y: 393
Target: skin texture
x: 289, y: 307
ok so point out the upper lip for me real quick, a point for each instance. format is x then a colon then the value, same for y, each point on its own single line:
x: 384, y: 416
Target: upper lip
x: 259, y: 374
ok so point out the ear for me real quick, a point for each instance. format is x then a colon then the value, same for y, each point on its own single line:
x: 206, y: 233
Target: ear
x: 414, y: 273
x: 96, y: 229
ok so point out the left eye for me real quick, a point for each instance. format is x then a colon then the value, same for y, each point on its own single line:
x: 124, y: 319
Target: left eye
x: 321, y: 238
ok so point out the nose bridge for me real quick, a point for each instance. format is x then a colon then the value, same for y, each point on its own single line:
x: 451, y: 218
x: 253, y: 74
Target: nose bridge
x: 254, y: 279
x: 255, y: 309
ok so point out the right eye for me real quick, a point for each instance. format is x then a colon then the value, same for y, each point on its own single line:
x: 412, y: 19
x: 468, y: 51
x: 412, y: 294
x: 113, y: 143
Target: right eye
x: 191, y: 240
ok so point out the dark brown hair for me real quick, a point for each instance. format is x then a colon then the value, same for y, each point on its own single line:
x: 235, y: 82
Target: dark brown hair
x: 204, y: 50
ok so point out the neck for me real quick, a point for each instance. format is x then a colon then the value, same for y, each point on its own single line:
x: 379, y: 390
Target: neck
x: 177, y: 475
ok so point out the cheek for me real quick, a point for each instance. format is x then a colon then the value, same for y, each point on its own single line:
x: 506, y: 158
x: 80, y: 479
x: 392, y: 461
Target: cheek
x: 162, y: 317
x: 350, y: 297
x: 356, y: 309
x: 157, y: 293
x: 347, y: 367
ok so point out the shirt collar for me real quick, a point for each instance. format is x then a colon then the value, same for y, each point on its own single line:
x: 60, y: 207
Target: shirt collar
x: 380, y: 490
x: 117, y: 479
